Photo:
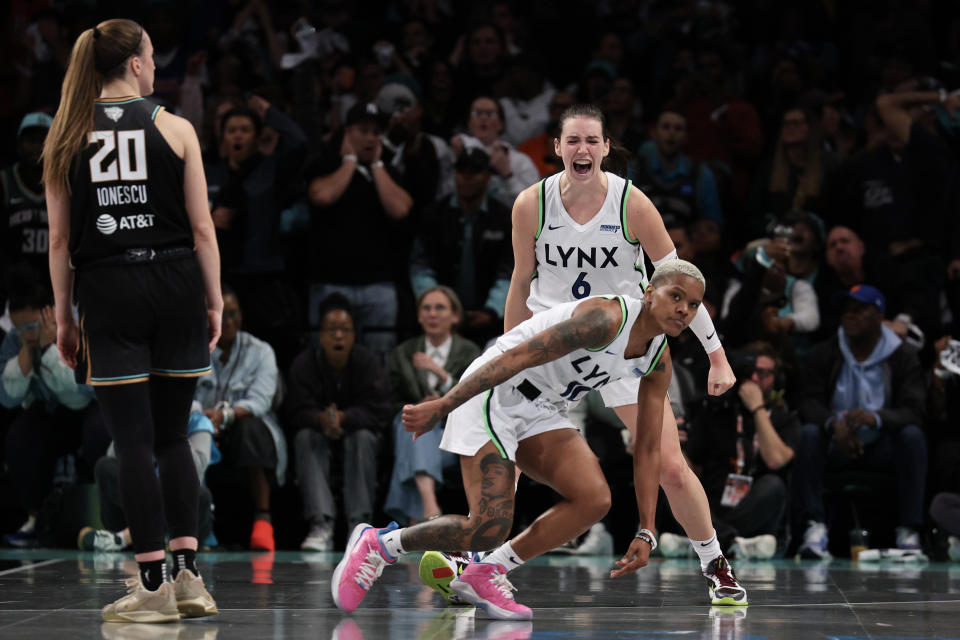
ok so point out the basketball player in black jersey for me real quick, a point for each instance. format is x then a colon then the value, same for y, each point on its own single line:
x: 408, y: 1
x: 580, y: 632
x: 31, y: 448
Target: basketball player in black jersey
x: 131, y: 233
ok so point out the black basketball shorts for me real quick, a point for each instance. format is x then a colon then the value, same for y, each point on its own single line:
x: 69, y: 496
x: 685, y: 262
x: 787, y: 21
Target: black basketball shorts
x: 141, y: 320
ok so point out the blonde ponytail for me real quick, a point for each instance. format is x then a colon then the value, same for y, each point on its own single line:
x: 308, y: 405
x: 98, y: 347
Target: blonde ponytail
x: 99, y: 54
x: 74, y: 118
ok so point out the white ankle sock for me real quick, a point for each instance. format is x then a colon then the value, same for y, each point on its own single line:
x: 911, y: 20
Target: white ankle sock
x: 504, y: 555
x: 708, y: 550
x: 391, y: 542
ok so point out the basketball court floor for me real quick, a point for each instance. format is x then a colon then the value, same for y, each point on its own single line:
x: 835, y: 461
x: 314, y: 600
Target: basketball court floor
x: 58, y: 595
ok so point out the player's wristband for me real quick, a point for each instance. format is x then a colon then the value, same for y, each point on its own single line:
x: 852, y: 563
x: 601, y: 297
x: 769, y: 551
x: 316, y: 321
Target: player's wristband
x: 647, y: 536
x: 349, y: 157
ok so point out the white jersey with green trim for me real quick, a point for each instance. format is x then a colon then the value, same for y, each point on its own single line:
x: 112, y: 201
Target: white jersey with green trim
x: 578, y: 260
x: 569, y: 378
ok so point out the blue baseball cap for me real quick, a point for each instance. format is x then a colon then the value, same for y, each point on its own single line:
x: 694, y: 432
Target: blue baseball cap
x: 868, y: 295
x: 35, y: 119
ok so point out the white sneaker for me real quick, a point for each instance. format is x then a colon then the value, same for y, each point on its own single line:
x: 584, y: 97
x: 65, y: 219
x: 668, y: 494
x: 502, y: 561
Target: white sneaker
x: 815, y: 540
x: 673, y: 546
x: 320, y: 538
x: 598, y: 542
x: 758, y: 547
x: 140, y: 605
x: 908, y: 539
x: 950, y: 357
x: 954, y: 550
x: 90, y: 539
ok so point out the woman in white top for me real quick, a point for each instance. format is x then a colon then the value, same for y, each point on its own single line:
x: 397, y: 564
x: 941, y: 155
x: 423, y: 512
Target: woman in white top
x: 583, y: 232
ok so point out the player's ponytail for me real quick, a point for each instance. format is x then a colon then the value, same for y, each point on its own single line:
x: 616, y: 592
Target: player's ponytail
x: 98, y: 54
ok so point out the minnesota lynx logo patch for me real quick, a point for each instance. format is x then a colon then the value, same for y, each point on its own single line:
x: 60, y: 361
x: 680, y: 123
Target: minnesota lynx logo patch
x: 114, y: 113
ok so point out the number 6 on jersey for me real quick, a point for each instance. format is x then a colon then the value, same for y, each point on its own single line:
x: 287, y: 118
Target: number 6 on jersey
x: 581, y: 288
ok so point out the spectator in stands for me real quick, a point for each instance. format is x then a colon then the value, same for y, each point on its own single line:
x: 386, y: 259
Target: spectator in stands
x: 23, y: 209
x: 795, y: 178
x: 423, y: 162
x: 899, y: 195
x: 862, y: 406
x: 440, y: 116
x: 742, y: 446
x: 337, y: 401
x: 56, y: 416
x: 849, y: 262
x: 623, y: 113
x: 464, y: 243
x: 249, y: 190
x: 238, y: 397
x: 772, y: 302
x: 540, y: 148
x: 721, y: 126
x: 525, y: 105
x: 684, y: 192
x: 424, y: 368
x: 478, y: 61
x: 512, y: 171
x: 356, y: 196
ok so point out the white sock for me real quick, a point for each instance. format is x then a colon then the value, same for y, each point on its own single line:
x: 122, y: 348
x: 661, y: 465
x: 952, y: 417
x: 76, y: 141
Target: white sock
x: 391, y: 542
x: 503, y: 555
x: 708, y: 550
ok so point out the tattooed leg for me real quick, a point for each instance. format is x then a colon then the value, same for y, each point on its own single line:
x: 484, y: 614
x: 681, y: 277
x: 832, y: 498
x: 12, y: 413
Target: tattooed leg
x: 488, y: 481
x: 563, y: 461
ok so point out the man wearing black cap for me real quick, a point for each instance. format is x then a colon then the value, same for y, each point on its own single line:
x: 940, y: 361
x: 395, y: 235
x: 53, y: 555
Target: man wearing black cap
x: 863, y: 407
x: 358, y: 211
x: 464, y: 243
x: 23, y: 224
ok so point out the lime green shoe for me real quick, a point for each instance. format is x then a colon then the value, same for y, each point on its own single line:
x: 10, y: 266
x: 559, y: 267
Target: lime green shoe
x: 437, y: 569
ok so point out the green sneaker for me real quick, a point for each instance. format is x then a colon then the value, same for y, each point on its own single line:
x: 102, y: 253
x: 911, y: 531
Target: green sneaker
x: 437, y: 569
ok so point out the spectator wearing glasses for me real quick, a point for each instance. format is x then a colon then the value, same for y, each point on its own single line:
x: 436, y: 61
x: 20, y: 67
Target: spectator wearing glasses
x: 238, y: 397
x: 56, y: 416
x: 742, y: 445
x: 338, y: 401
x: 512, y: 171
x: 424, y: 368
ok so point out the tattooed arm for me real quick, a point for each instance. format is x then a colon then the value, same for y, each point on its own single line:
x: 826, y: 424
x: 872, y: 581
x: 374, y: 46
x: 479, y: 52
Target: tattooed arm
x: 594, y: 323
x: 646, y: 460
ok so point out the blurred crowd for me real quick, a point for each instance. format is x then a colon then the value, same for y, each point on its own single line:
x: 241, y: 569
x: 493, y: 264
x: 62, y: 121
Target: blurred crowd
x: 362, y: 159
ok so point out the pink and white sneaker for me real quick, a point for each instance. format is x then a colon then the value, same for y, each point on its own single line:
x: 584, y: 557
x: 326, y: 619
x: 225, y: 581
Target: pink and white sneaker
x: 486, y: 585
x: 362, y: 564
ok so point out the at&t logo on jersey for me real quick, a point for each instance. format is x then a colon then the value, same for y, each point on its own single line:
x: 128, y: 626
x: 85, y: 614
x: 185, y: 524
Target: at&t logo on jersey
x: 107, y: 225
x: 609, y: 228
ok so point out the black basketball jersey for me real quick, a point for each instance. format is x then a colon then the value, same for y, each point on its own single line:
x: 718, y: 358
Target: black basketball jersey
x: 126, y: 186
x: 24, y: 220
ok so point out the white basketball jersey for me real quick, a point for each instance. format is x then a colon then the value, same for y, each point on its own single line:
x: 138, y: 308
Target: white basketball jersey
x: 578, y: 260
x: 568, y: 379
